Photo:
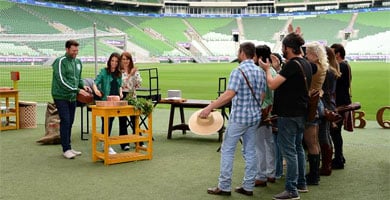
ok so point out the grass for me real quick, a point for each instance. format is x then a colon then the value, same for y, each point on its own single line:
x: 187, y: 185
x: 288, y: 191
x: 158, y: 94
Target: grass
x: 182, y: 168
x: 185, y: 166
x: 370, y: 82
x: 371, y: 87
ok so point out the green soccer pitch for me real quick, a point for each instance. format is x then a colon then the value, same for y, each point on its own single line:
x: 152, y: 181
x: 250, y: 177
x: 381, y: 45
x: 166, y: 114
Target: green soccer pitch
x: 370, y: 81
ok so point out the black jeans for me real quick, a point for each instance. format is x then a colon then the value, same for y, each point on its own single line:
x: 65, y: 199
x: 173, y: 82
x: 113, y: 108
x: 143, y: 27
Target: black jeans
x: 110, y: 120
x: 123, y: 128
x: 337, y: 139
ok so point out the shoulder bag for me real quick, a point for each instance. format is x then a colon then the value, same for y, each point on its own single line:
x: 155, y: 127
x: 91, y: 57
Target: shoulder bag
x: 265, y: 118
x: 313, y: 98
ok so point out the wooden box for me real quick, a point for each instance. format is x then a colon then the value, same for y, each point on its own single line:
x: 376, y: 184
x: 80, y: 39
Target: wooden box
x: 111, y: 103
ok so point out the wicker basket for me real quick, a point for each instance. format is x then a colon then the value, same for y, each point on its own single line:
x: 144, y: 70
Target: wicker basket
x: 27, y: 114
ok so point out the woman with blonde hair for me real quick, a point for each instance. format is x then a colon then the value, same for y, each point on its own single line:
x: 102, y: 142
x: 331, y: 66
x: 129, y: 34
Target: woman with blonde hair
x: 316, y: 54
x: 131, y: 80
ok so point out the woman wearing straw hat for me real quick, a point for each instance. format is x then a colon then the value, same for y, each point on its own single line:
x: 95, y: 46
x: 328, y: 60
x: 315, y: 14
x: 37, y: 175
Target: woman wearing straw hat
x: 246, y: 90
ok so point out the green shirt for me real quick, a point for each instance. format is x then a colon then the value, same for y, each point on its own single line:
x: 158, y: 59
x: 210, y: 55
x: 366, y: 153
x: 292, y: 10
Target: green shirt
x: 103, y: 82
x: 269, y: 94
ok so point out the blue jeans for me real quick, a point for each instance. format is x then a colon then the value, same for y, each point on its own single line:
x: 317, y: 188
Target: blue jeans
x: 265, y: 152
x: 66, y: 110
x: 233, y: 134
x: 278, y: 158
x: 290, y: 137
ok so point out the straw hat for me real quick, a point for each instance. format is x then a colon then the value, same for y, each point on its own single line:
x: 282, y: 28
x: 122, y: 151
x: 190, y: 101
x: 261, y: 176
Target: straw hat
x: 205, y: 126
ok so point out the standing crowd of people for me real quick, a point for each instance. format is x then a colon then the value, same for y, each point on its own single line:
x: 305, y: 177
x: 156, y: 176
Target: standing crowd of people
x: 263, y: 85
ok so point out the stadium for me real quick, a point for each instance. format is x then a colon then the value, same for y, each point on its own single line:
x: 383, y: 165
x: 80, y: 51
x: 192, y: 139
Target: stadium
x: 192, y: 43
x: 32, y: 33
x: 185, y: 31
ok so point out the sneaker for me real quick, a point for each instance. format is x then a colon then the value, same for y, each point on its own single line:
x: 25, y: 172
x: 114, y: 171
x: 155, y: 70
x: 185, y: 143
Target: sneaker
x: 77, y: 153
x: 286, y: 195
x: 111, y: 151
x: 69, y: 154
x: 279, y: 176
x: 302, y: 189
x: 126, y: 148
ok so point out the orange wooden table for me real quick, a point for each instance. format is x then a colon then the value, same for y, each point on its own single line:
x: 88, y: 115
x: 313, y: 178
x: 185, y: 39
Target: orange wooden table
x: 140, y: 153
x: 9, y: 115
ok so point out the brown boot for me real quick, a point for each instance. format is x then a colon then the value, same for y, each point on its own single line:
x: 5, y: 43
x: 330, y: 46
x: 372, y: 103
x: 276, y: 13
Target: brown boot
x: 326, y: 153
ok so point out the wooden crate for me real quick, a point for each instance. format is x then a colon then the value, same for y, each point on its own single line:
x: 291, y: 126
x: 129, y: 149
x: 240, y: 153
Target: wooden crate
x: 111, y: 103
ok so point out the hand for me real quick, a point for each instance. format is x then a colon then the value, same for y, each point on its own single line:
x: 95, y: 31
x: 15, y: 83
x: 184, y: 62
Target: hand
x: 275, y: 62
x: 88, y: 89
x: 133, y: 71
x: 204, y: 113
x: 298, y: 31
x: 98, y: 93
x: 290, y: 28
x: 84, y: 92
x: 265, y: 65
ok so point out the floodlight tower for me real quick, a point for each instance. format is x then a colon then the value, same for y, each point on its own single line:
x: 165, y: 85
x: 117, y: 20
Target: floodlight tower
x: 279, y: 36
x: 348, y: 32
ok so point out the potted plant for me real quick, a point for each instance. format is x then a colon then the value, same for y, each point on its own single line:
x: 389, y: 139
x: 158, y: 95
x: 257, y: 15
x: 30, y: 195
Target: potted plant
x: 144, y: 105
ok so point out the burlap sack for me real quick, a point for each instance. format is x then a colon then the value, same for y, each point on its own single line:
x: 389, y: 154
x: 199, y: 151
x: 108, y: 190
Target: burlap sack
x: 52, y: 126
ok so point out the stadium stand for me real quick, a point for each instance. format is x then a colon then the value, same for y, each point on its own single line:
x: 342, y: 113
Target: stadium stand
x: 138, y: 36
x: 202, y: 25
x: 17, y: 21
x: 262, y: 28
x: 17, y: 50
x: 32, y: 35
x: 176, y: 36
x: 149, y: 1
x: 72, y: 19
x: 291, y: 1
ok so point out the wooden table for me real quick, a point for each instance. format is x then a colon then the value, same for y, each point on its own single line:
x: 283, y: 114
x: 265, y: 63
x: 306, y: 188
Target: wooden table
x: 188, y: 103
x: 140, y: 153
x: 10, y: 115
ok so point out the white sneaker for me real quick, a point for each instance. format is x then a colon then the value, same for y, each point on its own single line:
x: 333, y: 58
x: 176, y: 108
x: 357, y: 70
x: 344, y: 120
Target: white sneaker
x: 69, y: 154
x: 111, y: 151
x: 77, y: 153
x: 126, y: 148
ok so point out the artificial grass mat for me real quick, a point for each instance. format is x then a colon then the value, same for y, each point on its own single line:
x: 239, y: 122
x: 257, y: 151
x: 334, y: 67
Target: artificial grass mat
x: 181, y: 168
